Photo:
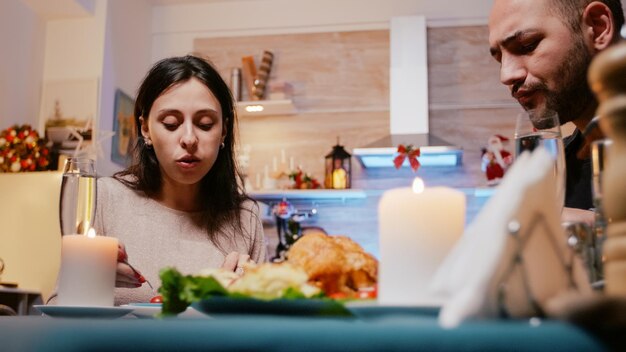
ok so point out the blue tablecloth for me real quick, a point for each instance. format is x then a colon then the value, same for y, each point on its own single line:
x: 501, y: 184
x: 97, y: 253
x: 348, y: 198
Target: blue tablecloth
x: 382, y: 331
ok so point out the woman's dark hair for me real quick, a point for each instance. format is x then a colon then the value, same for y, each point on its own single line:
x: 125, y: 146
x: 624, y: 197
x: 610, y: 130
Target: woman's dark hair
x: 221, y: 196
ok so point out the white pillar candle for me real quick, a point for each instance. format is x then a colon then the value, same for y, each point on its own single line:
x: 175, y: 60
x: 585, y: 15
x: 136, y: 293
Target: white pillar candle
x: 291, y: 163
x: 418, y: 227
x: 87, y: 275
x: 274, y: 164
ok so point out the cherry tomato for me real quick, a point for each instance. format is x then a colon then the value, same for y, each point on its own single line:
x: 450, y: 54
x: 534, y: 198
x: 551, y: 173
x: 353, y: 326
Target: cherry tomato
x: 157, y: 299
x: 368, y: 292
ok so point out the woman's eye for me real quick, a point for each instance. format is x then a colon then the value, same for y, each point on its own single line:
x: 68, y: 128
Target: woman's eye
x: 170, y: 126
x: 205, y: 126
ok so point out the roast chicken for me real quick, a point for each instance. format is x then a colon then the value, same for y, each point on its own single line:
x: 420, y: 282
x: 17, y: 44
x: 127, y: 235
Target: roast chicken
x: 334, y: 263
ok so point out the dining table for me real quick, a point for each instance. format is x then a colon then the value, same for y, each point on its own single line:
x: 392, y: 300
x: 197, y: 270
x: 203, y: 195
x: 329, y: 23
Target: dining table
x: 375, y: 328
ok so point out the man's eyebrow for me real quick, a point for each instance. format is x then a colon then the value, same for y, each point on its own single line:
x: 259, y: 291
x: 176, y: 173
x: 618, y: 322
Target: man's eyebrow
x: 506, y: 41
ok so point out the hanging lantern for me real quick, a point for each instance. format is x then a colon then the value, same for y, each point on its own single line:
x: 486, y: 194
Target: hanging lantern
x: 338, y: 168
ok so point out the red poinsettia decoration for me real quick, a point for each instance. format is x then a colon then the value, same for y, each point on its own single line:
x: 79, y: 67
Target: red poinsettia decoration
x: 302, y: 180
x: 21, y: 149
x: 407, y: 152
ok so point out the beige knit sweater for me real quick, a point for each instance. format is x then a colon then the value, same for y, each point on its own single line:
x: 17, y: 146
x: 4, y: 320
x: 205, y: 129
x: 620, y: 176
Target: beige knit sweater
x: 156, y: 236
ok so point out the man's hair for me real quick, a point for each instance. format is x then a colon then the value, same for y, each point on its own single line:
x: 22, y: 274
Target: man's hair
x: 571, y: 11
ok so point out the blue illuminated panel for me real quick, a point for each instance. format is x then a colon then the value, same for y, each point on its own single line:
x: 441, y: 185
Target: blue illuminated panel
x: 425, y: 160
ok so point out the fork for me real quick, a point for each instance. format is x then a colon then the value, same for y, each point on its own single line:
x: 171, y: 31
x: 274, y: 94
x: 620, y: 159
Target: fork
x: 139, y: 275
x: 122, y: 257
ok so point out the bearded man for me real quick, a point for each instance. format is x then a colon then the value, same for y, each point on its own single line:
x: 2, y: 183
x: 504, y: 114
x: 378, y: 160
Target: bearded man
x: 544, y: 48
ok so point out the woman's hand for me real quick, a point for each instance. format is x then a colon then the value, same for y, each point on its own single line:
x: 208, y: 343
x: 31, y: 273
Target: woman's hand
x: 236, y: 262
x: 126, y: 276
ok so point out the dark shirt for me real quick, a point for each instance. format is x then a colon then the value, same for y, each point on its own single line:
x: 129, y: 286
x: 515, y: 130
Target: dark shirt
x: 578, y: 174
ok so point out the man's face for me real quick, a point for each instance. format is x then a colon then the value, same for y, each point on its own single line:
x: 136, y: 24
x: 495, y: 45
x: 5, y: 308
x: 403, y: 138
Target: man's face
x: 542, y: 61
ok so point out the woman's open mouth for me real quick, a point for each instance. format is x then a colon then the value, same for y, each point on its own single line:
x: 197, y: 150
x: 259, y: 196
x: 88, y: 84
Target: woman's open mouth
x: 187, y: 162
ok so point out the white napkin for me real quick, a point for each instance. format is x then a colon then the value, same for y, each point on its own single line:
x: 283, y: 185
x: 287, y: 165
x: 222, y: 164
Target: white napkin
x: 484, y: 258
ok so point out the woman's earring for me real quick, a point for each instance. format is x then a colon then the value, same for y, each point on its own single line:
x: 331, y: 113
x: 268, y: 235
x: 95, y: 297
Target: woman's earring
x: 222, y: 145
x: 148, y: 142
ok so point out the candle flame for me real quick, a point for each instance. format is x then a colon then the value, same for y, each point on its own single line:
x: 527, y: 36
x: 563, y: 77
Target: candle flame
x: 418, y: 185
x: 91, y: 233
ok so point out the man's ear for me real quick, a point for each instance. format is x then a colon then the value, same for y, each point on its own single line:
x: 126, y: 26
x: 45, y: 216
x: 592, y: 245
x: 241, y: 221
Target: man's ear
x: 598, y: 25
x: 144, y: 127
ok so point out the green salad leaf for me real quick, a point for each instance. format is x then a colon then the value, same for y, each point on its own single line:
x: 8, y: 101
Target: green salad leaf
x: 180, y: 291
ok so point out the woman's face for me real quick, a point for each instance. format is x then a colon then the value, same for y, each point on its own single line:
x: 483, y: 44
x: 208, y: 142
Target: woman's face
x: 186, y: 129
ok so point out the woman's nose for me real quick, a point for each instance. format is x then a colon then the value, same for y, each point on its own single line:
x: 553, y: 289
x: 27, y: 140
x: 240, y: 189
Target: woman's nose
x: 189, y: 138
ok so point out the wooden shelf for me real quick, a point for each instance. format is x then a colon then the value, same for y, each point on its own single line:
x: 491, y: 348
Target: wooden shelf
x: 265, y: 107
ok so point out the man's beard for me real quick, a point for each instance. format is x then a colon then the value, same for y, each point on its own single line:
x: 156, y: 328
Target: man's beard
x: 572, y: 95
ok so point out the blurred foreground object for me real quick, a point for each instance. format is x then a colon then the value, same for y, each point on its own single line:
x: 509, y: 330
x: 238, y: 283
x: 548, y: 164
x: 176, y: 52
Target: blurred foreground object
x: 513, y: 258
x: 606, y: 76
x: 603, y: 316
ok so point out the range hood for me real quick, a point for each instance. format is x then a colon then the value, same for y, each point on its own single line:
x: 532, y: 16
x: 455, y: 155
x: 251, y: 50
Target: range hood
x: 434, y: 151
x: 408, y: 112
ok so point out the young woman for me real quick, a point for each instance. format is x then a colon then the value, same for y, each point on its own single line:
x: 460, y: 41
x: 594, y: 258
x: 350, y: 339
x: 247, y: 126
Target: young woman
x: 180, y: 203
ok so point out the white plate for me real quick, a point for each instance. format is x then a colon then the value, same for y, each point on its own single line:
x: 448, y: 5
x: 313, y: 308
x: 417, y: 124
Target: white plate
x: 83, y: 311
x: 151, y: 310
x: 144, y: 310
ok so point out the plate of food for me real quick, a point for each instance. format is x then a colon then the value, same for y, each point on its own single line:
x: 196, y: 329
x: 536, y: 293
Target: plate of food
x: 83, y: 311
x: 319, y: 275
x: 279, y: 306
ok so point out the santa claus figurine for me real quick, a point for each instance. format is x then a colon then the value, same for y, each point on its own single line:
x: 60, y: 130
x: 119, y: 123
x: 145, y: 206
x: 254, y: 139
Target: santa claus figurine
x: 496, y: 160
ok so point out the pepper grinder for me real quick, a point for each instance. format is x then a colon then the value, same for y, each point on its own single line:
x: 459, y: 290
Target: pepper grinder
x: 606, y: 77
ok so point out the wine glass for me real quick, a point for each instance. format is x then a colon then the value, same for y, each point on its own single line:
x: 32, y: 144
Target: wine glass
x: 533, y: 130
x: 77, y: 206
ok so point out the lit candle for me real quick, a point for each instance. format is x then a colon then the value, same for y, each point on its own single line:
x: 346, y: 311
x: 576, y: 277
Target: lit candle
x: 87, y: 275
x: 291, y: 163
x: 418, y: 226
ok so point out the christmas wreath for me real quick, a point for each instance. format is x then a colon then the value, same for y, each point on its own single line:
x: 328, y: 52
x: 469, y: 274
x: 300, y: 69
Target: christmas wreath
x: 22, y: 150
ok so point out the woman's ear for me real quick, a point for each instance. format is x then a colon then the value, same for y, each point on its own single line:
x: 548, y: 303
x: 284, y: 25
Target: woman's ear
x: 144, y: 127
x: 224, y: 131
x: 598, y: 25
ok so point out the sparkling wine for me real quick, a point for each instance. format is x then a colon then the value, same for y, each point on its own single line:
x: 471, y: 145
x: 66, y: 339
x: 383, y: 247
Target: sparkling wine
x: 549, y: 140
x: 553, y: 143
x: 78, y: 203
